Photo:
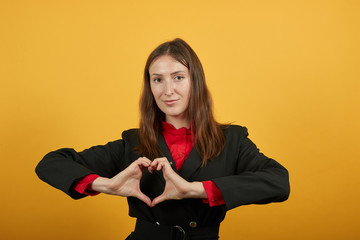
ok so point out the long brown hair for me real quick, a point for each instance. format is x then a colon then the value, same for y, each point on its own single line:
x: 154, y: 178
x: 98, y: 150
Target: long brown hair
x: 210, y: 139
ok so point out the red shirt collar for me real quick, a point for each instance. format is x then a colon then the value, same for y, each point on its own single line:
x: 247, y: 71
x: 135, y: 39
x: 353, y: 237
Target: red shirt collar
x: 170, y: 129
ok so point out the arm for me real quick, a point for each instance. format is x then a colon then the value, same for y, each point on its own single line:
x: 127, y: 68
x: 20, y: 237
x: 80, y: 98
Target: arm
x: 257, y: 179
x: 64, y: 167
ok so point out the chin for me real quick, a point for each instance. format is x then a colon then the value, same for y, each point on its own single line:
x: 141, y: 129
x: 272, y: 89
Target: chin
x: 173, y: 115
x: 171, y: 112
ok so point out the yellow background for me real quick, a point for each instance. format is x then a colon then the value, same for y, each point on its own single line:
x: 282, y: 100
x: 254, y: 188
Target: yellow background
x: 71, y: 74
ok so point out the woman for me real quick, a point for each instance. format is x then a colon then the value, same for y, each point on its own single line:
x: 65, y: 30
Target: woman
x: 181, y: 170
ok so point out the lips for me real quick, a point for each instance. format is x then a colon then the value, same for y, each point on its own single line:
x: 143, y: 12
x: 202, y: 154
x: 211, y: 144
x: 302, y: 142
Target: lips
x: 170, y: 102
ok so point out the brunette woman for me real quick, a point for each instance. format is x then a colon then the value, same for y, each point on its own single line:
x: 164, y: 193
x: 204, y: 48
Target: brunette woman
x: 181, y: 170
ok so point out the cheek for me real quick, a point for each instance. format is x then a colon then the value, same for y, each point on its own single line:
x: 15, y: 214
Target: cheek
x: 156, y: 91
x: 188, y: 91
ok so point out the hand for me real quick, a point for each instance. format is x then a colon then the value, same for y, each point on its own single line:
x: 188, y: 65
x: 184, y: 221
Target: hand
x: 126, y: 183
x: 176, y: 187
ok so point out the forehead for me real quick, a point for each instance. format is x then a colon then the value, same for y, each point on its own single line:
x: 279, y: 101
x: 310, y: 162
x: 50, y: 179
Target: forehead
x: 166, y: 64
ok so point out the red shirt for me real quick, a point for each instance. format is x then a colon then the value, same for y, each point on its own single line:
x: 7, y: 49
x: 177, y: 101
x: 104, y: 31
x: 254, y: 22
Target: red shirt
x: 180, y: 144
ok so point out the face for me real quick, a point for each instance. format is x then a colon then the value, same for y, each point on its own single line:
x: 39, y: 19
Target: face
x: 170, y: 85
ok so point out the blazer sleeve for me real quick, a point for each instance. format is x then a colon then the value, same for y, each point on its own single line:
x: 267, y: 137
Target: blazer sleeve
x: 257, y: 178
x: 64, y: 167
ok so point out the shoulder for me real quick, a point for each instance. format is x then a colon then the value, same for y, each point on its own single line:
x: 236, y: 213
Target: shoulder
x: 130, y: 134
x: 236, y: 131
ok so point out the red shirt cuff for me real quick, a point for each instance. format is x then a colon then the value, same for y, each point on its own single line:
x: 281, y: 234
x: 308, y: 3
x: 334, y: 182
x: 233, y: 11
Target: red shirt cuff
x: 83, y: 185
x: 215, y: 197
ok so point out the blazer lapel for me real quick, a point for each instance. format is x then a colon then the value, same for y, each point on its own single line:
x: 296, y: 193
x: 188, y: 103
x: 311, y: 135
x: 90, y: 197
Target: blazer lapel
x: 191, y: 164
x: 165, y: 152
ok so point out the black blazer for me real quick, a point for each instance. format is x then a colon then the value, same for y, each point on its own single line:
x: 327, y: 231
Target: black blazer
x: 241, y: 172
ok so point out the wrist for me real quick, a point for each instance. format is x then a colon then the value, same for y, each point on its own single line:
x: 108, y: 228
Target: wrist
x: 197, y: 190
x: 100, y: 184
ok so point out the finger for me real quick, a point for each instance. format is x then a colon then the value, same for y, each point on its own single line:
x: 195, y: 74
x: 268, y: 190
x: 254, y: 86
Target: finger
x: 154, y: 163
x: 162, y: 159
x: 158, y: 161
x: 160, y: 166
x: 146, y: 160
x: 152, y: 166
x: 144, y: 198
x: 166, y: 167
x: 162, y: 162
x: 158, y: 200
x: 143, y: 162
x: 152, y: 169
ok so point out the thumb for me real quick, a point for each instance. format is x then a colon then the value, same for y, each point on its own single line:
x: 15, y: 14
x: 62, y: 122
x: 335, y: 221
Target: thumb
x: 145, y: 199
x: 158, y: 200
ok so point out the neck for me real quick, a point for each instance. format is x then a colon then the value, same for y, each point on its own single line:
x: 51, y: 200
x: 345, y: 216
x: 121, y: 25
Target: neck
x: 178, y: 122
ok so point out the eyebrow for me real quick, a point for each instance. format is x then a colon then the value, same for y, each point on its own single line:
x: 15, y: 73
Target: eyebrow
x: 158, y: 74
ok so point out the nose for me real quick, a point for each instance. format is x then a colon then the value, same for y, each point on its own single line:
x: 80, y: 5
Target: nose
x: 169, y: 88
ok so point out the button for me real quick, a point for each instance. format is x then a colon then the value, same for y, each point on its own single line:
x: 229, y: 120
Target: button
x: 193, y: 224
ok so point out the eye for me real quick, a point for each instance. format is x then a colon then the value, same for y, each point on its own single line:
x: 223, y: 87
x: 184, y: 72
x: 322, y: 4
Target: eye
x: 156, y: 80
x: 179, y: 77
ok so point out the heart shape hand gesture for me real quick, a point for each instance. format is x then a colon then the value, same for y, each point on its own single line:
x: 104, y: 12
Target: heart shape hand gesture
x: 127, y: 182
